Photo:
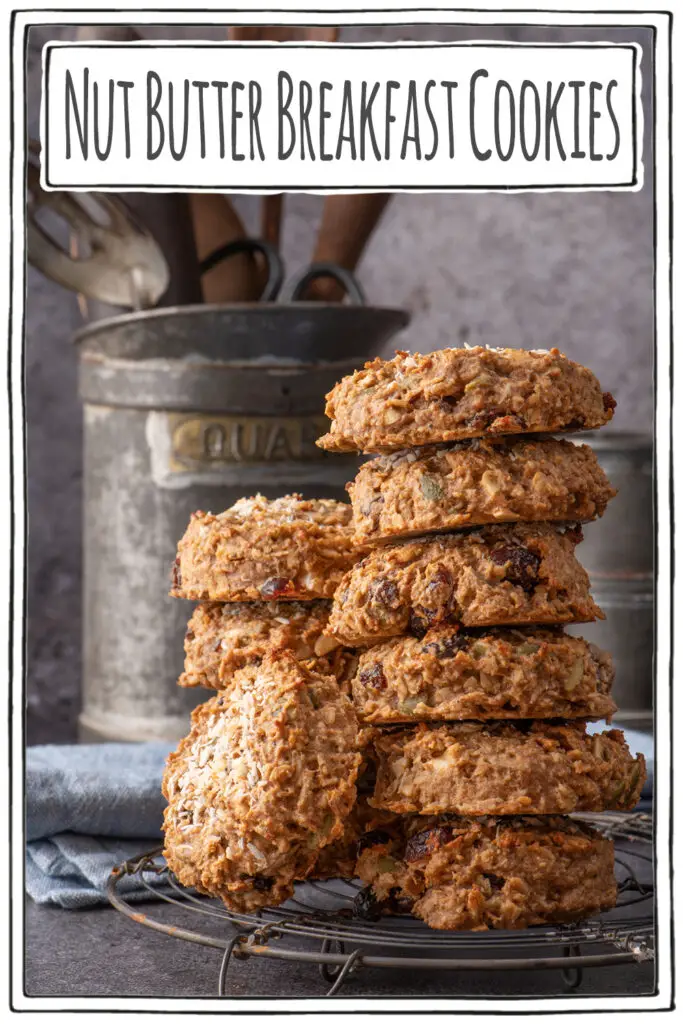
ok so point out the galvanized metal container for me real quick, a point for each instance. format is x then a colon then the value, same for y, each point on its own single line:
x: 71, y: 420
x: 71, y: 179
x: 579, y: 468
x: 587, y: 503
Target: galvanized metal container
x: 187, y: 408
x: 618, y: 553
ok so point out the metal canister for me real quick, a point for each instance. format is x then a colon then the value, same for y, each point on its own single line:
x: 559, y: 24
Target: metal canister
x: 618, y: 554
x: 188, y: 408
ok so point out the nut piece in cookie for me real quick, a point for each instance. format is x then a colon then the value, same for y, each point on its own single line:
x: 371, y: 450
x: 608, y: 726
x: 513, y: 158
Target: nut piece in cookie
x: 459, y: 393
x: 505, y: 768
x: 260, y: 550
x: 435, y: 489
x: 452, y: 674
x: 494, y: 575
x: 222, y: 639
x: 477, y: 873
x: 265, y: 780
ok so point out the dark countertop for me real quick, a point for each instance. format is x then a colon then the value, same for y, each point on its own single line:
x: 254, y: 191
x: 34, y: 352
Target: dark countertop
x: 99, y: 952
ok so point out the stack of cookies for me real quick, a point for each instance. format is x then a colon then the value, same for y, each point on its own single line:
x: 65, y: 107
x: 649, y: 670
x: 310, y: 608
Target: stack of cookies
x: 264, y: 572
x: 478, y: 697
x: 262, y: 791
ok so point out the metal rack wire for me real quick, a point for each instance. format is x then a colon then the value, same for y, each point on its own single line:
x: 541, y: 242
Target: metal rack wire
x: 324, y: 925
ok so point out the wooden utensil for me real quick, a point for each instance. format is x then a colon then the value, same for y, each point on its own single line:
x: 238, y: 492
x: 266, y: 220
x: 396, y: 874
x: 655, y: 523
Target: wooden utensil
x: 283, y: 33
x: 216, y: 223
x: 272, y: 207
x: 271, y: 218
x: 242, y: 269
x: 346, y: 225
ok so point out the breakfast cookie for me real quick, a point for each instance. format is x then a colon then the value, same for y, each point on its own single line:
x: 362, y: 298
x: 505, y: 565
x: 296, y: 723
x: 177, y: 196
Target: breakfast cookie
x: 494, y: 575
x: 265, y: 779
x: 471, y: 874
x: 424, y: 490
x: 222, y: 639
x: 505, y: 768
x: 457, y: 393
x: 261, y: 550
x: 452, y: 674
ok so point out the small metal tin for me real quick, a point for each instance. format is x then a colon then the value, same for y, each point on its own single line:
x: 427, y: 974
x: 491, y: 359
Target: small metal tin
x: 627, y: 633
x: 621, y: 545
x: 618, y: 554
x: 191, y: 408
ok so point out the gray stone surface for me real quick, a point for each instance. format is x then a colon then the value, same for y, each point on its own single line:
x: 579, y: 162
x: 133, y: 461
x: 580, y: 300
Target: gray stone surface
x: 101, y: 953
x: 573, y: 270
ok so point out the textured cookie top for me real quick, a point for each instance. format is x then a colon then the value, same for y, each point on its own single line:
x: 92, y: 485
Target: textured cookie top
x: 452, y: 674
x: 251, y: 517
x: 431, y: 489
x: 458, y: 393
x: 265, y: 550
x: 495, y: 575
x: 221, y: 639
x: 265, y: 779
x: 476, y: 768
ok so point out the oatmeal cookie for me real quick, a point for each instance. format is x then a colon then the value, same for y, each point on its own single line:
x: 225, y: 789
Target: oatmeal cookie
x: 262, y: 550
x: 457, y: 393
x: 435, y: 489
x: 471, y: 874
x: 495, y: 575
x: 505, y: 768
x: 451, y: 674
x: 265, y: 779
x: 222, y: 639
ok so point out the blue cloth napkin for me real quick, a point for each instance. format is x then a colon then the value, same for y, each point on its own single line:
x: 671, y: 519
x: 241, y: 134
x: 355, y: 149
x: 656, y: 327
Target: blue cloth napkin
x: 88, y: 808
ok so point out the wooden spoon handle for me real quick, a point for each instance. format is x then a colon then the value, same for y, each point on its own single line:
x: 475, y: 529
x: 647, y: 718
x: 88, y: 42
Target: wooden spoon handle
x: 271, y: 218
x: 273, y: 206
x: 283, y: 33
x: 346, y: 225
x: 216, y: 223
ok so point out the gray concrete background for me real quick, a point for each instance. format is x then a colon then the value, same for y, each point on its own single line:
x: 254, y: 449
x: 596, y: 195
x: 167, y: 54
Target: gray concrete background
x: 536, y: 270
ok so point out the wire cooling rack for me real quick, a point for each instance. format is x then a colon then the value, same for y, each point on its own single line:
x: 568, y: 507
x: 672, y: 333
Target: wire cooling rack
x: 324, y: 924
